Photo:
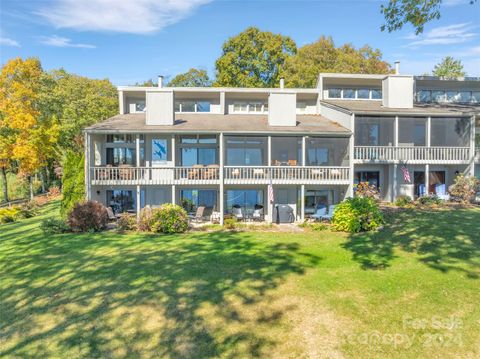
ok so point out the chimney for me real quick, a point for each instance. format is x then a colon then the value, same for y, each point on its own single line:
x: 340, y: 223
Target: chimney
x: 160, y: 81
x: 282, y: 82
x: 397, y: 67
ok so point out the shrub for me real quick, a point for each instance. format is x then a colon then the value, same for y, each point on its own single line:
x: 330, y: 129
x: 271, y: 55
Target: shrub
x: 357, y: 214
x: 169, y: 218
x: 54, y: 226
x: 9, y: 214
x: 28, y: 209
x: 314, y: 226
x: 127, y: 222
x: 73, y: 181
x: 403, y: 201
x: 90, y: 216
x: 364, y: 189
x: 145, y: 222
x: 429, y: 200
x: 464, y: 189
x: 230, y: 223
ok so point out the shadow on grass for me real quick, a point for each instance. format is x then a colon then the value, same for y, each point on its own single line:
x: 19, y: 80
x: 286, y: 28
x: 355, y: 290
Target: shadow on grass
x: 89, y: 282
x: 445, y: 240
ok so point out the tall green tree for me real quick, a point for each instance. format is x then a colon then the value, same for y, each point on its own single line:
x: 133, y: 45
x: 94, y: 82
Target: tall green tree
x: 73, y: 181
x: 449, y: 67
x: 78, y: 102
x: 398, y: 13
x: 253, y: 58
x: 191, y: 78
x: 302, y: 69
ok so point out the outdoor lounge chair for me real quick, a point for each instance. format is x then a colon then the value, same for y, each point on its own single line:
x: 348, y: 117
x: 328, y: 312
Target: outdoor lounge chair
x: 237, y: 213
x: 319, y: 214
x: 195, y: 172
x: 329, y: 215
x: 257, y: 214
x: 199, y: 214
x: 111, y: 215
x: 212, y: 172
x: 440, y: 190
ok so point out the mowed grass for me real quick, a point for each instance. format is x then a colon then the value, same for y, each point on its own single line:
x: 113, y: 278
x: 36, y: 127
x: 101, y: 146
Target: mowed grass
x: 409, y: 291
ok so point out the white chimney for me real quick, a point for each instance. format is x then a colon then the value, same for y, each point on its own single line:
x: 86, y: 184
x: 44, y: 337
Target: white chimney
x: 282, y: 82
x: 160, y: 81
x: 397, y: 67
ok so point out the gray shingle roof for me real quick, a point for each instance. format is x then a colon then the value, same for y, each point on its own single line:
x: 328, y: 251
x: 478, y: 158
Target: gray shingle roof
x: 214, y: 123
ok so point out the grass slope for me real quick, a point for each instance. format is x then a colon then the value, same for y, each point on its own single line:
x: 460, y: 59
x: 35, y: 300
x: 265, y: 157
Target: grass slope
x: 249, y: 294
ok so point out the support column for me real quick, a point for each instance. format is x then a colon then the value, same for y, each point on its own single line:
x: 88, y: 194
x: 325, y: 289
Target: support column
x: 427, y: 178
x: 351, y: 158
x: 269, y: 151
x: 221, y: 176
x: 395, y: 182
x: 302, y: 202
x: 429, y: 131
x: 472, y: 147
x: 174, y: 153
x: 137, y: 171
x: 395, y: 135
x: 304, y: 150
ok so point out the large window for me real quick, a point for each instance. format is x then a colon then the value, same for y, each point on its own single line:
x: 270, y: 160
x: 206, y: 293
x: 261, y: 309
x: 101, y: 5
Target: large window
x: 286, y: 151
x: 359, y: 93
x: 192, y: 106
x: 374, y: 131
x: 121, y: 156
x: 317, y: 199
x: 191, y: 199
x: 372, y: 177
x: 124, y: 201
x: 412, y: 131
x: 454, y: 96
x: 246, y: 151
x: 327, y: 151
x: 454, y: 132
x: 250, y: 107
x: 198, y: 150
x: 247, y: 199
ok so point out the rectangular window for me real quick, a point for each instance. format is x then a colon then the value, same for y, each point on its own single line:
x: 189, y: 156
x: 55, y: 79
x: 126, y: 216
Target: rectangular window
x: 255, y: 107
x: 376, y: 94
x: 476, y: 96
x: 203, y: 106
x: 140, y: 106
x: 363, y: 93
x: 121, y: 201
x: 412, y: 131
x: 372, y: 177
x: 188, y: 106
x: 334, y: 93
x: 438, y: 96
x: 159, y: 151
x: 244, y: 200
x: 424, y: 96
x: 450, y: 132
x: 348, y: 93
x: 374, y: 131
x: 118, y: 156
x: 246, y: 151
x: 317, y: 199
x: 327, y: 151
x: 191, y: 199
x: 240, y: 107
x: 464, y: 96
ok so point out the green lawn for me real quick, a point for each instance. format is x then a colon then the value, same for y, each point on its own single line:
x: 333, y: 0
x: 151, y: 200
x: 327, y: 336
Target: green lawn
x: 412, y: 290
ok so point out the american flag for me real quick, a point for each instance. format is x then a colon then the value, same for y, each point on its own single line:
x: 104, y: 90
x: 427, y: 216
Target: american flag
x: 270, y: 192
x: 406, y: 174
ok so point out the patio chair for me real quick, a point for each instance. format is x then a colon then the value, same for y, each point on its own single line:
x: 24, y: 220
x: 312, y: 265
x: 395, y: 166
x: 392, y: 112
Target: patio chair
x: 440, y: 190
x: 257, y: 214
x: 319, y: 214
x: 125, y: 172
x: 237, y: 213
x: 258, y: 173
x: 292, y: 162
x: 421, y: 190
x: 111, y: 215
x: 212, y: 172
x: 199, y: 214
x: 329, y: 215
x: 195, y: 172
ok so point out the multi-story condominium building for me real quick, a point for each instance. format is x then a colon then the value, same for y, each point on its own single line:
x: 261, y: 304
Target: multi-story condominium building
x: 222, y: 148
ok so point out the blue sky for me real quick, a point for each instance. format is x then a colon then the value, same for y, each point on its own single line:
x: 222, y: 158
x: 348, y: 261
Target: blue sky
x: 131, y: 41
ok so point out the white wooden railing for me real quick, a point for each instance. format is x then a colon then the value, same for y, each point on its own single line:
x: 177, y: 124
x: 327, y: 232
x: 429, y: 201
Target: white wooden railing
x: 211, y: 175
x: 285, y: 174
x: 412, y: 154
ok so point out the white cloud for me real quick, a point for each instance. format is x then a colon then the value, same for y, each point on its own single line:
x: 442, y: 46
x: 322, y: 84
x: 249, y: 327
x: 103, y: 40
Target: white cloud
x: 59, y: 41
x: 444, y: 35
x: 138, y: 17
x: 5, y: 41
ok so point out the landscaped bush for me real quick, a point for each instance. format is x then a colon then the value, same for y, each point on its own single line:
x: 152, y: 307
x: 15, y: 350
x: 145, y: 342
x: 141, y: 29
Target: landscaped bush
x: 429, y: 200
x: 357, y: 214
x: 54, y: 226
x: 9, y: 214
x: 127, y: 222
x: 403, y: 201
x: 145, y: 222
x: 28, y: 209
x: 90, y: 216
x: 314, y: 226
x: 365, y: 189
x: 230, y: 223
x: 464, y: 189
x: 169, y: 218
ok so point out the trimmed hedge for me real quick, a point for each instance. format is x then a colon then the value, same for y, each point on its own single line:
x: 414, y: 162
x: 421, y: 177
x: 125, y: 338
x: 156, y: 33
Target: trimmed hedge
x: 357, y: 215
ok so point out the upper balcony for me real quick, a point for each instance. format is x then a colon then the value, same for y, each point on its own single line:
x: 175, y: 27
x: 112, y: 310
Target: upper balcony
x: 416, y: 140
x: 207, y: 160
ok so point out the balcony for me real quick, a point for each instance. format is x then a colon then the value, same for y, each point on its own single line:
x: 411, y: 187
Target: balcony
x: 411, y: 154
x: 211, y: 175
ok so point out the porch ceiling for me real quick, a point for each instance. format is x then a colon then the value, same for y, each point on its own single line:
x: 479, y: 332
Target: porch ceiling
x: 215, y: 123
